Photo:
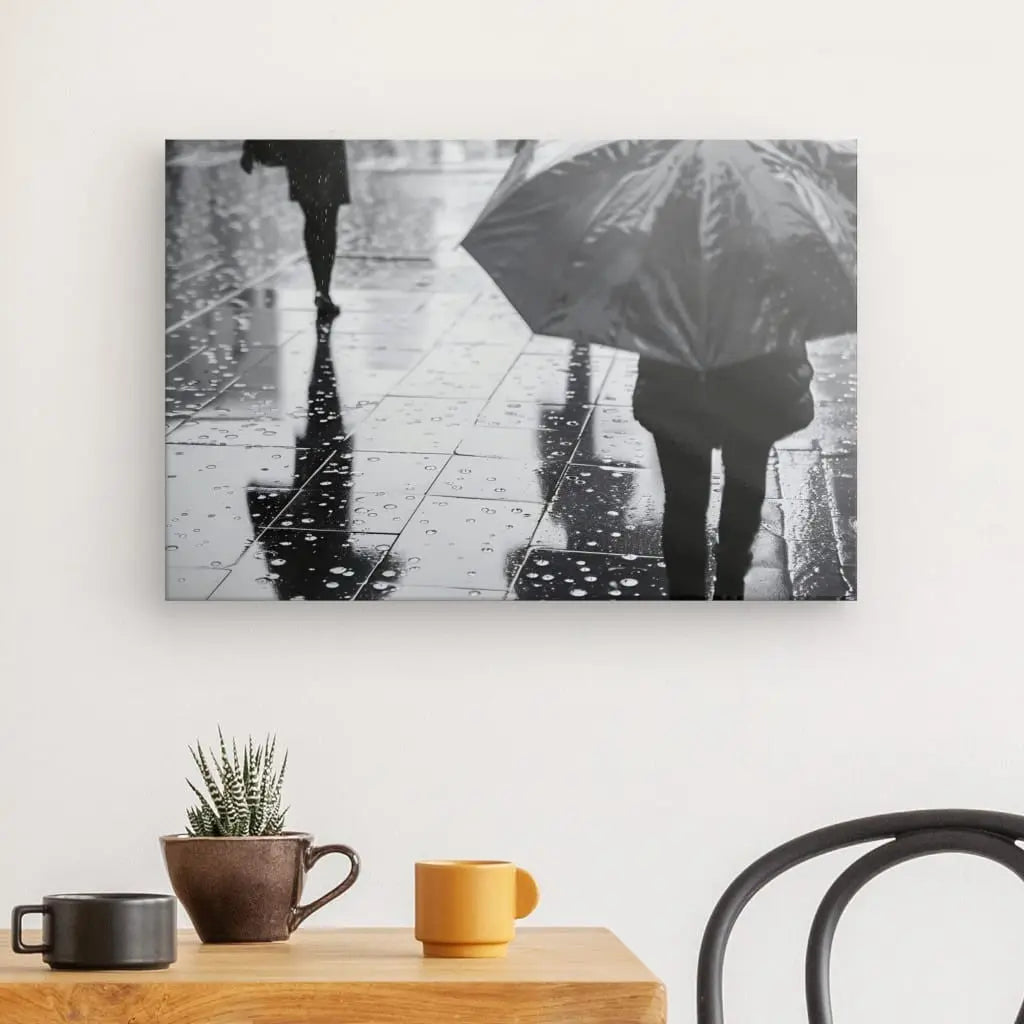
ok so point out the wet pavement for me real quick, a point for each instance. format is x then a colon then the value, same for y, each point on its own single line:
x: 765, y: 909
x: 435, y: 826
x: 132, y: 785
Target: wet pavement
x: 426, y: 446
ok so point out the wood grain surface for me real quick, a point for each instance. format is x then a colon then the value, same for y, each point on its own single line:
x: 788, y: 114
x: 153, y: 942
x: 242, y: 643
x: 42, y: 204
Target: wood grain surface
x: 353, y: 976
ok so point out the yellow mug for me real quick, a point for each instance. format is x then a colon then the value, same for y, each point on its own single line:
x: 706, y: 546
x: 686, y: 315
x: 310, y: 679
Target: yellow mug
x: 469, y: 908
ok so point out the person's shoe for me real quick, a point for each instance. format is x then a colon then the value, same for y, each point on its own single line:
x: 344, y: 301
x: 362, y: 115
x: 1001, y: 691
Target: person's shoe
x: 729, y: 586
x: 326, y: 307
x: 731, y: 567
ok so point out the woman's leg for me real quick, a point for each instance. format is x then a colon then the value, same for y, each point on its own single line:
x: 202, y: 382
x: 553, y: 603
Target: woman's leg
x: 687, y: 477
x: 321, y: 237
x: 746, y: 466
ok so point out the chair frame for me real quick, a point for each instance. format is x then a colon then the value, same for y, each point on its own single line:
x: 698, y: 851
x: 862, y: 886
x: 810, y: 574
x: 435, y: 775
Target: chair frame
x: 911, y: 834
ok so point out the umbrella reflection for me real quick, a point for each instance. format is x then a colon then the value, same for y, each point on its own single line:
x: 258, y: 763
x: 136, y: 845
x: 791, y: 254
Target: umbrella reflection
x: 618, y: 489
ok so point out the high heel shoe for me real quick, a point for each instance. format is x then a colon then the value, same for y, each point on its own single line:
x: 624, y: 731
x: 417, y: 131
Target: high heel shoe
x: 326, y: 307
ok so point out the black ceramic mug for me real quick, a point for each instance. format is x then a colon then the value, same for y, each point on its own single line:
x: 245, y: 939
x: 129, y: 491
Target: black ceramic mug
x: 102, y: 931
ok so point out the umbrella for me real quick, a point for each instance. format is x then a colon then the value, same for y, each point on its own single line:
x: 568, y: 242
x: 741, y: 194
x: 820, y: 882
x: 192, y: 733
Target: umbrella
x: 700, y: 253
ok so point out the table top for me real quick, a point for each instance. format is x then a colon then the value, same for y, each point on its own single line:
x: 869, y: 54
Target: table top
x: 550, y: 976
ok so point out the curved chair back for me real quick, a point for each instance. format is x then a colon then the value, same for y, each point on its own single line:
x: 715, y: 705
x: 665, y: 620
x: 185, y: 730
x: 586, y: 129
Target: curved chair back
x: 911, y: 834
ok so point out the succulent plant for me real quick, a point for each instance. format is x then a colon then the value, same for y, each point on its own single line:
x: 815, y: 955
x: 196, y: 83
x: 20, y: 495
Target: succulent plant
x: 243, y: 795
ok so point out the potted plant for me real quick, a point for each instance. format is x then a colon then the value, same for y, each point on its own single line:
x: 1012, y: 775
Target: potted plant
x: 237, y: 872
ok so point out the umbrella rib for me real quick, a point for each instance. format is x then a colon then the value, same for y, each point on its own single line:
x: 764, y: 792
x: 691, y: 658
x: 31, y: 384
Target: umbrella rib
x: 680, y: 306
x: 598, y: 210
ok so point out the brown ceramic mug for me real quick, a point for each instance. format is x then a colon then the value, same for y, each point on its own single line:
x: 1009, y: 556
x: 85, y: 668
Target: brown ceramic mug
x: 247, y: 888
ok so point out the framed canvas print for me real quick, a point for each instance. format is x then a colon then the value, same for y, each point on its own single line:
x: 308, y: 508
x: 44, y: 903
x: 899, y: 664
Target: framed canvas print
x: 511, y: 370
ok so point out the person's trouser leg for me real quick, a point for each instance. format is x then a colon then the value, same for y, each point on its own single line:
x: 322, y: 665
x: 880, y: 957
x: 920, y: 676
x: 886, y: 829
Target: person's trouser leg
x: 746, y: 467
x: 687, y: 477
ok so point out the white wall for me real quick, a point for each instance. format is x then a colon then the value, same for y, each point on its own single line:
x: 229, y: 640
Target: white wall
x: 634, y: 758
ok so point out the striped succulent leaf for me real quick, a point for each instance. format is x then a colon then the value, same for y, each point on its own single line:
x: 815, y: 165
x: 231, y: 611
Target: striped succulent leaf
x: 243, y: 791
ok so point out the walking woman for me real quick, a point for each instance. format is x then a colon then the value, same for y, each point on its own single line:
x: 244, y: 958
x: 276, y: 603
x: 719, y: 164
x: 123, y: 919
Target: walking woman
x: 318, y: 182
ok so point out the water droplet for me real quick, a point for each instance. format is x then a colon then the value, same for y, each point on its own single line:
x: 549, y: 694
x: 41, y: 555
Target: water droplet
x: 628, y: 582
x: 578, y: 592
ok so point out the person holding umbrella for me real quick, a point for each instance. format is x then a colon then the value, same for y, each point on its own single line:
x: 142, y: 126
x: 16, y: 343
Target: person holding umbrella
x: 743, y: 409
x: 318, y: 182
x: 716, y: 261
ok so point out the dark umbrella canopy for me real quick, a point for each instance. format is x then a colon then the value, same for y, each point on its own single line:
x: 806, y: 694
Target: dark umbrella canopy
x: 698, y: 253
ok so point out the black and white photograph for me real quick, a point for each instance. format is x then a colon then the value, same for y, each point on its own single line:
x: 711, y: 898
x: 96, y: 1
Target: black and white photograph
x: 511, y: 369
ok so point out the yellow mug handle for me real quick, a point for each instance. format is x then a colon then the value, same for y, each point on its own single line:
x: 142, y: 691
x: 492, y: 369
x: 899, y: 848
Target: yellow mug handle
x: 527, y: 893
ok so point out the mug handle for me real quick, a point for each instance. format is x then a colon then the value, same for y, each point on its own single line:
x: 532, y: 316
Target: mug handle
x: 18, y: 914
x: 527, y: 893
x: 312, y: 855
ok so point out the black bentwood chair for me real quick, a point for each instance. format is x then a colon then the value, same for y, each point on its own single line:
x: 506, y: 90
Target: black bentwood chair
x: 912, y: 834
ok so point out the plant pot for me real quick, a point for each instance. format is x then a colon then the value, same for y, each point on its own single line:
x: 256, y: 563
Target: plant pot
x: 247, y: 888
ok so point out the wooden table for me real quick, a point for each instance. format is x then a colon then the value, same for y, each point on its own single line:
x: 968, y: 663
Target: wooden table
x: 354, y: 976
